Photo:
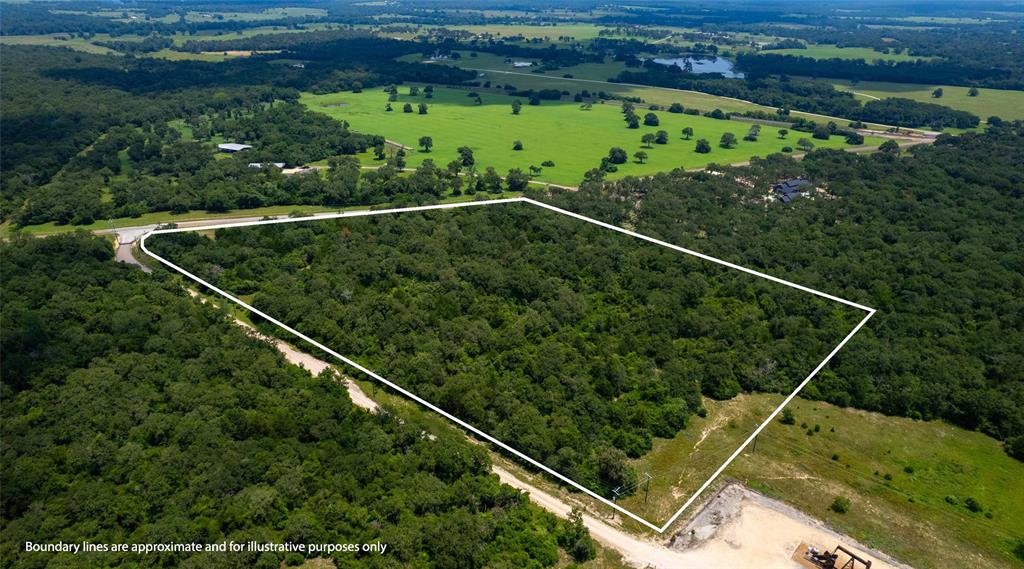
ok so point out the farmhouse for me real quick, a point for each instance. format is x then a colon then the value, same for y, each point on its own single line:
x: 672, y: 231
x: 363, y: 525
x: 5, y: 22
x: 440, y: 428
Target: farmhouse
x: 232, y: 147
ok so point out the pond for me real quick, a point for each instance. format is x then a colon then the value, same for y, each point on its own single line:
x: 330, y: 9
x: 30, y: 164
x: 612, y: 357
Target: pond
x: 703, y: 65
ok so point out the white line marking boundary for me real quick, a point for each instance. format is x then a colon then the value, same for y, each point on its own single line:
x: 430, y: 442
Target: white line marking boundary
x: 660, y: 529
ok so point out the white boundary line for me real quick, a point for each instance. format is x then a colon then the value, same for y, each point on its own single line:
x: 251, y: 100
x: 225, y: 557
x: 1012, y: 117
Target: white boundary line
x: 460, y: 422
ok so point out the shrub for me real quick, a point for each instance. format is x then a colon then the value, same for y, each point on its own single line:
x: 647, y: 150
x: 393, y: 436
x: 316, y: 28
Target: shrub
x: 840, y: 505
x: 973, y: 505
x: 908, y: 469
x: 787, y: 148
x: 787, y: 417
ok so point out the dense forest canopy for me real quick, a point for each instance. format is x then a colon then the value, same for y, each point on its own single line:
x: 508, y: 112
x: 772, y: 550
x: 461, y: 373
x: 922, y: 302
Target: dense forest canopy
x: 134, y: 414
x: 933, y: 240
x: 572, y: 343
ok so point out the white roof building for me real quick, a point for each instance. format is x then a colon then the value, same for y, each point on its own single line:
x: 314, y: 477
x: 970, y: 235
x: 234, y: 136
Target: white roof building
x: 232, y: 147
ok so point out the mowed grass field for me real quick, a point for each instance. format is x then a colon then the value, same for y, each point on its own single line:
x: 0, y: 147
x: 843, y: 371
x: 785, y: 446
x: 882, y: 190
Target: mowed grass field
x: 574, y: 139
x: 825, y: 51
x: 1001, y: 103
x: 896, y: 472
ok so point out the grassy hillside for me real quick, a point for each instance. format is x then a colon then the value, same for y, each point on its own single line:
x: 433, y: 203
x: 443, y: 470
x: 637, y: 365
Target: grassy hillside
x: 833, y: 51
x: 897, y: 474
x: 574, y: 139
x: 1002, y: 103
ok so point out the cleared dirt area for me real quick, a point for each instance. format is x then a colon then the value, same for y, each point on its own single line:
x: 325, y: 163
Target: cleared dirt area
x: 741, y: 528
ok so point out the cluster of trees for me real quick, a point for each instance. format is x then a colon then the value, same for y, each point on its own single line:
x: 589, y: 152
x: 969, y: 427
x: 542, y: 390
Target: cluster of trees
x: 916, y: 71
x: 785, y: 93
x: 130, y: 171
x: 932, y: 240
x: 572, y: 343
x: 134, y: 414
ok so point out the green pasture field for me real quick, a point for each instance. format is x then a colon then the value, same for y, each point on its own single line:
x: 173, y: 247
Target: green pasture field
x: 574, y: 139
x: 57, y: 40
x: 906, y: 515
x: 823, y: 51
x: 1002, y: 103
x: 591, y: 77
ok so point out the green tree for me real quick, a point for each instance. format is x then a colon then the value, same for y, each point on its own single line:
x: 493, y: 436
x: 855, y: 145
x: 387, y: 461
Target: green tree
x: 703, y: 146
x: 640, y: 156
x: 517, y: 180
x: 426, y: 143
x: 423, y: 108
x: 782, y: 133
x: 617, y: 155
x: 728, y: 140
x: 466, y: 156
x: 972, y: 92
x: 688, y: 133
x: 516, y: 107
x: 647, y: 139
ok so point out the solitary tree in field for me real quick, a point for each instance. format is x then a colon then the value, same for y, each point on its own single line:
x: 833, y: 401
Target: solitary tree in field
x: 753, y: 133
x: 640, y: 156
x: 535, y: 170
x: 414, y: 91
x: 688, y: 133
x: 651, y: 119
x: 407, y: 108
x: 387, y: 108
x: 423, y: 108
x: 805, y: 144
x: 972, y: 92
x: 516, y: 107
x: 647, y: 139
x: 703, y: 146
x: 426, y: 143
x: 517, y: 145
x: 783, y: 133
x: 675, y: 108
x: 937, y: 93
x: 728, y: 140
x: 661, y: 137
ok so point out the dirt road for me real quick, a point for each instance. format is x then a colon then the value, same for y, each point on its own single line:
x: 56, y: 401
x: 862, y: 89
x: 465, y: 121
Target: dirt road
x: 738, y: 529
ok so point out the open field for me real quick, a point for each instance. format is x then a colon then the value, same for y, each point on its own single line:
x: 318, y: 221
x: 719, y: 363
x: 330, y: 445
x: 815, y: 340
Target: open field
x: 1002, y: 103
x: 546, y: 131
x: 592, y: 77
x: 906, y: 516
x: 57, y: 40
x: 822, y: 51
